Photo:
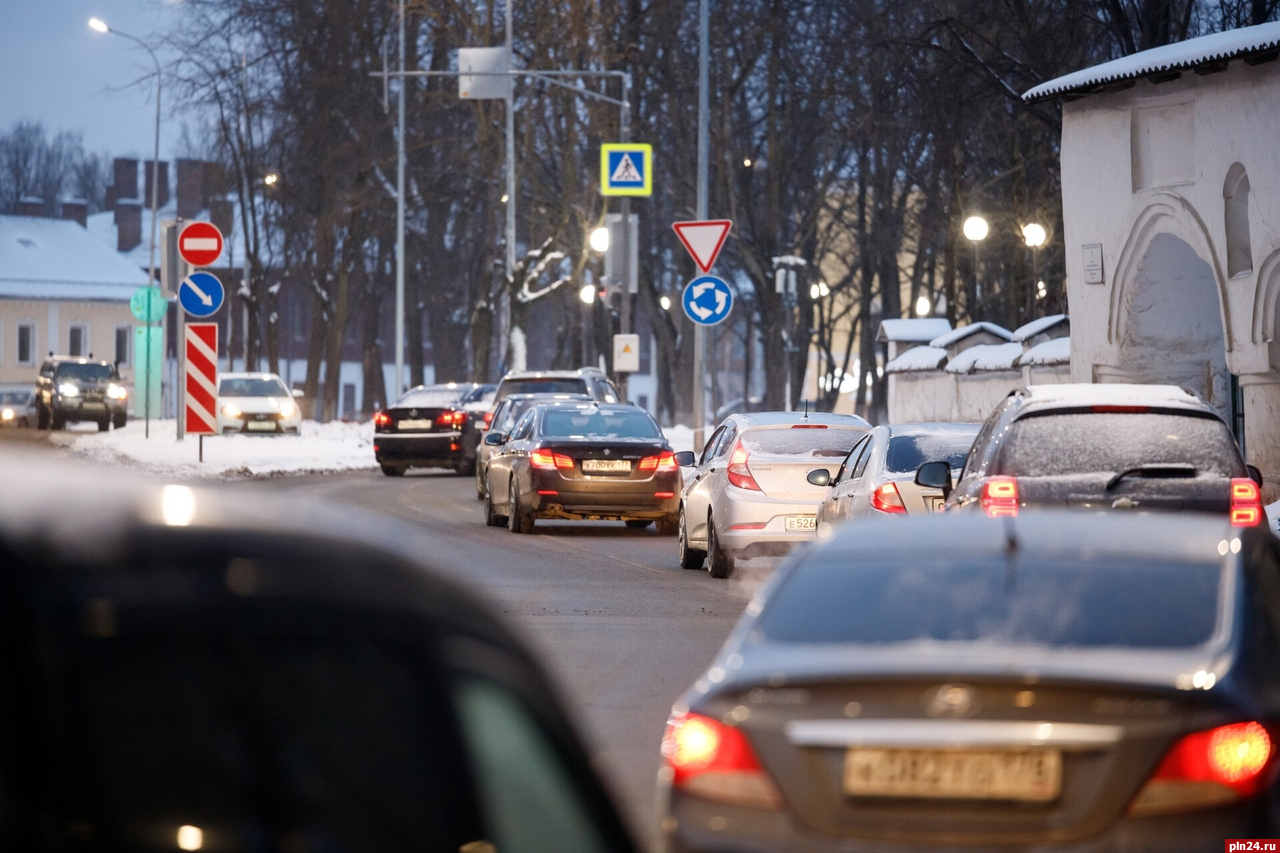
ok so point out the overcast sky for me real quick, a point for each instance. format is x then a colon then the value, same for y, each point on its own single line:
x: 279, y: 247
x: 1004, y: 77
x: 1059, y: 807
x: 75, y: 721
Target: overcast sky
x: 59, y: 72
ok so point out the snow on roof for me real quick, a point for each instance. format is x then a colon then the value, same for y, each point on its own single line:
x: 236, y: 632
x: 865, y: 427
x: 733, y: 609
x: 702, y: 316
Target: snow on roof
x: 1218, y: 47
x: 57, y: 259
x: 1030, y: 330
x: 985, y: 357
x: 963, y: 332
x: 1056, y: 351
x: 1117, y: 394
x: 916, y: 359
x: 912, y: 330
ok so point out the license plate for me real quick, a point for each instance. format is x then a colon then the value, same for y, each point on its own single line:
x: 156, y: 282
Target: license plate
x: 936, y: 504
x: 1028, y: 775
x: 415, y: 424
x: 261, y: 426
x: 607, y: 466
x: 802, y: 522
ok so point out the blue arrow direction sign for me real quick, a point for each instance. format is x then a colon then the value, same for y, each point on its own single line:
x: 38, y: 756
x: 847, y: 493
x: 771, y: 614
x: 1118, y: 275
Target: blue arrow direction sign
x: 707, y: 300
x: 201, y: 294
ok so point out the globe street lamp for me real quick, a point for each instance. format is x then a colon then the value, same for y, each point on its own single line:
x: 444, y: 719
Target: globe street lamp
x: 975, y: 229
x: 99, y: 25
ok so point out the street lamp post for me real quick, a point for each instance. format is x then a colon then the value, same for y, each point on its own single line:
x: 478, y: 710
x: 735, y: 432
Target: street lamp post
x: 1035, y: 236
x: 100, y: 26
x: 975, y: 230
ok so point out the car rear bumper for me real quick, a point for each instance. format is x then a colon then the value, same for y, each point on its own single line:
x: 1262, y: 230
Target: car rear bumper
x: 603, y: 498
x: 426, y: 450
x: 738, y: 534
x: 694, y: 824
x: 261, y: 425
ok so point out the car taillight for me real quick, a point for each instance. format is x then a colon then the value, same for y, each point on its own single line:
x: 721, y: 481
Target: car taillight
x: 661, y: 462
x: 1000, y: 497
x: 711, y: 760
x: 738, y: 472
x: 808, y: 426
x: 1208, y: 768
x: 451, y: 419
x: 1246, y: 503
x: 488, y: 419
x: 886, y: 499
x: 381, y: 419
x: 1122, y: 410
x: 548, y: 460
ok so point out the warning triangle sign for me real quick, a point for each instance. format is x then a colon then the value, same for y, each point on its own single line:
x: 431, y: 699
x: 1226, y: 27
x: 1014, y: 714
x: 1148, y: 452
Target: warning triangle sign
x: 703, y: 239
x: 626, y: 173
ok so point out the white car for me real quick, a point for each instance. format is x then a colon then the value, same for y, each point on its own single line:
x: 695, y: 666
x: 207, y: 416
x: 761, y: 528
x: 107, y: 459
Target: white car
x: 257, y: 403
x: 746, y: 496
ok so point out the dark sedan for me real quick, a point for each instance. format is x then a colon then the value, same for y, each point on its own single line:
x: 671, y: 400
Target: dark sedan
x: 1059, y: 681
x: 582, y: 462
x: 423, y: 429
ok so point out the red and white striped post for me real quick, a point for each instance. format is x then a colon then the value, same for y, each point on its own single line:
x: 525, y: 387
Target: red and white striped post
x: 201, y: 348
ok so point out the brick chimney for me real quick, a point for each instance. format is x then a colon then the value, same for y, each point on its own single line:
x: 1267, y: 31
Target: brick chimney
x: 215, y: 180
x: 190, y: 188
x: 125, y: 172
x: 163, y: 198
x: 77, y: 210
x: 109, y: 198
x: 128, y: 224
x: 221, y: 215
x: 30, y: 205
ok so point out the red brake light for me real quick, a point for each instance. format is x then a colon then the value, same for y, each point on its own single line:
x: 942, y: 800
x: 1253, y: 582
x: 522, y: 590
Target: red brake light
x: 808, y: 426
x: 1000, y: 497
x: 1246, y: 503
x: 738, y: 472
x: 548, y: 460
x: 707, y: 758
x: 1122, y: 410
x: 886, y: 499
x: 1208, y: 768
x: 381, y: 419
x: 451, y: 419
x: 661, y: 462
x: 488, y: 418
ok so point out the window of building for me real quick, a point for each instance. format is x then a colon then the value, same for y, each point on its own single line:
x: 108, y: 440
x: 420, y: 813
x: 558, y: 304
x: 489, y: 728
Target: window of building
x: 77, y: 340
x: 1235, y: 194
x: 26, y: 344
x: 123, y: 335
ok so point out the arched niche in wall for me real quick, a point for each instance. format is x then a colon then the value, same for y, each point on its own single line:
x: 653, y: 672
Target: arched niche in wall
x: 1235, y: 197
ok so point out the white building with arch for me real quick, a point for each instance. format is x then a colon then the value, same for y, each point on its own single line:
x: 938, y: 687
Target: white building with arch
x: 1171, y: 208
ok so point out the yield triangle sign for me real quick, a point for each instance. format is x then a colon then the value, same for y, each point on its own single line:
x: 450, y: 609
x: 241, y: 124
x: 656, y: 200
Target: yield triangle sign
x: 703, y: 239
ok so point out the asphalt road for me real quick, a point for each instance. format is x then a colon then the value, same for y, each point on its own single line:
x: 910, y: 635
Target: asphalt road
x: 619, y: 624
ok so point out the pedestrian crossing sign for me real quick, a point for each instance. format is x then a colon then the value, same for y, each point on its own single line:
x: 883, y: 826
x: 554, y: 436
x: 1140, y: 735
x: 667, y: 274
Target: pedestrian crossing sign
x: 626, y: 169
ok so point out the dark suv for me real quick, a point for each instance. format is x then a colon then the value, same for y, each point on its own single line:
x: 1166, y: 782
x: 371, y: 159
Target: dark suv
x: 585, y: 380
x: 1114, y: 447
x: 71, y: 388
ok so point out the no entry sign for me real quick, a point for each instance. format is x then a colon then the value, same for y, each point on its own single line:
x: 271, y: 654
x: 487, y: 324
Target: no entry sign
x: 200, y: 244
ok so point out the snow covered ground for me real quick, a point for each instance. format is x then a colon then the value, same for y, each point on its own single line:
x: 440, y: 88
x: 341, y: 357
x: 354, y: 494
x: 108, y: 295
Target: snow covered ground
x: 321, y: 448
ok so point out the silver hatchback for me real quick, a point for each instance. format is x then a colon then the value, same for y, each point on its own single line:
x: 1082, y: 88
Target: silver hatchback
x: 746, y: 495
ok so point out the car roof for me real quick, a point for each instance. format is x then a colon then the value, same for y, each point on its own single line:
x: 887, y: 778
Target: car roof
x: 749, y: 420
x: 1041, y: 397
x: 78, y: 359
x: 252, y: 374
x: 932, y: 428
x: 553, y: 374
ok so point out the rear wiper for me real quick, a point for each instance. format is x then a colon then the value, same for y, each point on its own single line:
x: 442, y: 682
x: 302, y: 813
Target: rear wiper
x: 1152, y: 470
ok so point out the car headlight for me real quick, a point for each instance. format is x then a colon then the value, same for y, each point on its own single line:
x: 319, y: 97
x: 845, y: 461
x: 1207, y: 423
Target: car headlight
x: 231, y: 410
x: 288, y: 409
x: 6, y: 415
x: 69, y: 389
x: 116, y: 392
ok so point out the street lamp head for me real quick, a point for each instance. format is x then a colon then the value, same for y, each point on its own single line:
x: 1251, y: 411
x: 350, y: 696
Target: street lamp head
x: 665, y: 302
x: 270, y: 179
x: 587, y: 294
x: 99, y: 25
x: 922, y: 306
x: 600, y: 239
x: 819, y: 290
x: 1034, y: 234
x: 975, y: 228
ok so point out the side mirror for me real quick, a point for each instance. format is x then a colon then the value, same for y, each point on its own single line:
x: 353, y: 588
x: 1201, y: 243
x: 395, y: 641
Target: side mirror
x: 1255, y: 474
x: 819, y: 477
x: 686, y: 459
x: 935, y: 475
x: 297, y: 393
x: 495, y: 439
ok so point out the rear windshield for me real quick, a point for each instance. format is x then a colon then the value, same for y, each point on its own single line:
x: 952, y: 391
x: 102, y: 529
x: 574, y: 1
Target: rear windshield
x: 823, y: 442
x: 908, y: 452
x: 1137, y: 604
x: 252, y: 387
x: 1066, y: 443
x: 549, y: 385
x: 580, y: 424
x: 429, y: 398
x: 18, y: 397
x: 86, y: 372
